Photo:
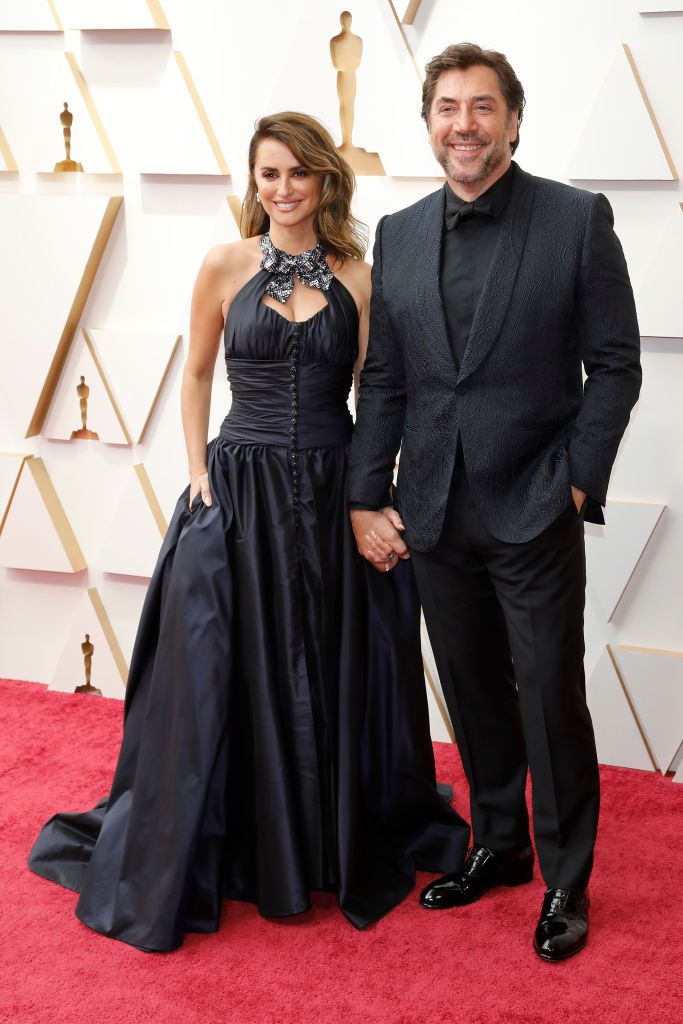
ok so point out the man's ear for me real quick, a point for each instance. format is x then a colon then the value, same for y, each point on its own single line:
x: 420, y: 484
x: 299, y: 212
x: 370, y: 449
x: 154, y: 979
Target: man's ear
x: 513, y: 125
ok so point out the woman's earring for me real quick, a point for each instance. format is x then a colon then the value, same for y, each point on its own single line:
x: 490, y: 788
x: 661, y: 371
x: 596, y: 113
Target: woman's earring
x: 258, y: 198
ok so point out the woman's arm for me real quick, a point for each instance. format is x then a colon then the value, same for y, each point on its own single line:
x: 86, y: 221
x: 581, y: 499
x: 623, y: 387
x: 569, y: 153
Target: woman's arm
x: 363, y: 289
x: 206, y: 322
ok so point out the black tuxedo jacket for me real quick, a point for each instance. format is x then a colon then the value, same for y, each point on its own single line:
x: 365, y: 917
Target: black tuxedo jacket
x: 557, y: 297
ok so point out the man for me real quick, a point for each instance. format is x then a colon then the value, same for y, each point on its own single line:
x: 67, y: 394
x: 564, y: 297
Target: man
x: 488, y: 296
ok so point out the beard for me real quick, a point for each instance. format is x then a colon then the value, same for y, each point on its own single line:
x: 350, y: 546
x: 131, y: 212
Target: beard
x: 482, y: 166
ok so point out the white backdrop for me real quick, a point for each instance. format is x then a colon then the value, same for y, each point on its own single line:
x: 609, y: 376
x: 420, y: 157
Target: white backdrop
x: 164, y: 97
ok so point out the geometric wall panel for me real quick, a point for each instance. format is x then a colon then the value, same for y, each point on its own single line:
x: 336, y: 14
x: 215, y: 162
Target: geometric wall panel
x: 440, y: 726
x: 183, y: 140
x: 28, y: 16
x: 627, y: 145
x: 109, y: 670
x: 407, y: 10
x: 213, y: 45
x: 149, y: 101
x: 660, y: 296
x: 112, y: 14
x: 46, y: 272
x: 132, y: 543
x: 613, y: 551
x: 8, y: 164
x: 617, y: 736
x: 37, y: 534
x: 136, y: 366
x: 654, y: 680
x: 65, y: 417
x: 34, y: 85
x: 405, y: 14
x: 10, y: 468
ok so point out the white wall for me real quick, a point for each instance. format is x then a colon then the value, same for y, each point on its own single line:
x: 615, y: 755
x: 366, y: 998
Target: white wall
x: 143, y: 137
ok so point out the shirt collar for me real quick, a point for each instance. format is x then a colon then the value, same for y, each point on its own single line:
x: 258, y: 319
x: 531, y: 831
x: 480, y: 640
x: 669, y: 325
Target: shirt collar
x: 498, y: 195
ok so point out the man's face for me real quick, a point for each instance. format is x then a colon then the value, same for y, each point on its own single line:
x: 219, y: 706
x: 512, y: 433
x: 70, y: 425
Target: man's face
x: 470, y: 127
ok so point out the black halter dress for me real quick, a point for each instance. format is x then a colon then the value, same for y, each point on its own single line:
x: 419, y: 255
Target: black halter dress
x: 276, y: 736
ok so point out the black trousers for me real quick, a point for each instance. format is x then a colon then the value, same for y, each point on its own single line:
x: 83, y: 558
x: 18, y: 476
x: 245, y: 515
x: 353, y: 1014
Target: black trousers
x: 506, y: 626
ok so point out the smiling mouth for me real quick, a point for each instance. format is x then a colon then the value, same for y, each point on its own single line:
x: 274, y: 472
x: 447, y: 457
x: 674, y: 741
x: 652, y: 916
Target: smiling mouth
x: 287, y: 206
x: 466, y: 147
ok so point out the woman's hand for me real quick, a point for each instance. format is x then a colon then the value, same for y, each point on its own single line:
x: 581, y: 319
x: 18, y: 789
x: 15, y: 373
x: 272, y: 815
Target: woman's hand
x: 199, y: 483
x: 378, y: 539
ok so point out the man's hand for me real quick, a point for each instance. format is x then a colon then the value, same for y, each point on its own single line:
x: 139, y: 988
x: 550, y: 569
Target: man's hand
x: 378, y: 537
x: 579, y: 498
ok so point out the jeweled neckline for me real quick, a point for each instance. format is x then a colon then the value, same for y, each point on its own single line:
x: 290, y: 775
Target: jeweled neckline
x: 310, y: 266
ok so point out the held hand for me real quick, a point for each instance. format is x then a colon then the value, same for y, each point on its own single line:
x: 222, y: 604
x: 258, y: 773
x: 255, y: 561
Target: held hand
x: 394, y: 518
x: 378, y: 540
x: 199, y: 482
x: 579, y: 498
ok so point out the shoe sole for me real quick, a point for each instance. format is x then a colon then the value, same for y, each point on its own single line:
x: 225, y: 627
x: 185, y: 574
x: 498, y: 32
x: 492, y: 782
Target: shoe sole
x: 558, y: 959
x: 510, y: 883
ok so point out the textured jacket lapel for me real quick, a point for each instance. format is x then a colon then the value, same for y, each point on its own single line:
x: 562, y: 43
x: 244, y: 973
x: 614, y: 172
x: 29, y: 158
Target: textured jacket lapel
x: 500, y: 281
x: 430, y: 317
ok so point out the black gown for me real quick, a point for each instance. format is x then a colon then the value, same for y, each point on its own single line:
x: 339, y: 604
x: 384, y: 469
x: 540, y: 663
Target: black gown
x: 276, y: 733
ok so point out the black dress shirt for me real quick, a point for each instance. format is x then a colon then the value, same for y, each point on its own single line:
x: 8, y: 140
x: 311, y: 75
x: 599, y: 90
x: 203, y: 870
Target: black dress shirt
x: 470, y: 236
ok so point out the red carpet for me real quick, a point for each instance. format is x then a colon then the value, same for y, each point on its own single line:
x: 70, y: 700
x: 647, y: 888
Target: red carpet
x: 475, y: 965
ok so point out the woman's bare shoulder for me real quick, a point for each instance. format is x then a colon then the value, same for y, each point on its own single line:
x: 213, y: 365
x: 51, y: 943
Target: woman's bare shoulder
x: 231, y: 257
x: 355, y: 274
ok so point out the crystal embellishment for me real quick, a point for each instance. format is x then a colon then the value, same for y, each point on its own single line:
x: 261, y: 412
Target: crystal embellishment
x: 310, y: 267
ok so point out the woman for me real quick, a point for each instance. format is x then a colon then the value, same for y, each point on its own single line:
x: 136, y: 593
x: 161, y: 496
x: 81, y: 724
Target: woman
x: 276, y: 737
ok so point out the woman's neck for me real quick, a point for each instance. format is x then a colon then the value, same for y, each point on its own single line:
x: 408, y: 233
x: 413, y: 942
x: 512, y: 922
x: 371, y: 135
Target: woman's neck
x: 299, y: 238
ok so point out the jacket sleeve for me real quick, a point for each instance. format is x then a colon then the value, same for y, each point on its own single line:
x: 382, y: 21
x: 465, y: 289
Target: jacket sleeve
x: 609, y: 341
x: 381, y: 406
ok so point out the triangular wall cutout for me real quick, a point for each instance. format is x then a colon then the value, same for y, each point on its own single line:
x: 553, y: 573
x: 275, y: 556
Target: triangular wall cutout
x: 654, y: 680
x: 8, y: 164
x: 37, y: 534
x: 35, y: 82
x: 132, y: 543
x: 613, y: 551
x: 108, y: 666
x: 10, y: 468
x: 627, y: 145
x: 617, y: 735
x: 183, y: 140
x: 660, y: 296
x: 28, y: 16
x: 135, y: 366
x: 440, y: 726
x: 57, y: 244
x: 82, y: 371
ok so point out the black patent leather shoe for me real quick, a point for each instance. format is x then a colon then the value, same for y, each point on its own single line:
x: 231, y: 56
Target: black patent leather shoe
x: 483, y: 870
x: 562, y: 928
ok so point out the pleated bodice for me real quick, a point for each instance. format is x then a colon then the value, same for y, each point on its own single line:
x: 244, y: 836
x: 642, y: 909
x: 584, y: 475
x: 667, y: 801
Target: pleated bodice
x: 290, y: 380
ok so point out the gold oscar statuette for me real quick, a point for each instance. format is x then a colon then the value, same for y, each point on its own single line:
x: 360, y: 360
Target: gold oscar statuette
x: 346, y: 50
x: 67, y: 118
x: 83, y: 434
x: 88, y: 648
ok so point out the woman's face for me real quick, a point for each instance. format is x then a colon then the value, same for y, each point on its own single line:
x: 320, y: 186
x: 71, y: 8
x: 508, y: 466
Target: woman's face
x: 289, y: 192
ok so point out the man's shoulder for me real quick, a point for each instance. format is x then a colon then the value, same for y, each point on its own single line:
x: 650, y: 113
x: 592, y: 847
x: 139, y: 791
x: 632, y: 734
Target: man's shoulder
x: 416, y: 211
x: 559, y: 193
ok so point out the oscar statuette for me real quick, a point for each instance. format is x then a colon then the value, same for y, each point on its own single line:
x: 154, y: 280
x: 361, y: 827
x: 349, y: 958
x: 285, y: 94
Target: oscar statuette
x: 66, y: 118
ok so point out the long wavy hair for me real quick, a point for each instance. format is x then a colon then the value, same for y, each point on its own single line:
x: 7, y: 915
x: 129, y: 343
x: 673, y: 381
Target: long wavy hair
x: 340, y: 233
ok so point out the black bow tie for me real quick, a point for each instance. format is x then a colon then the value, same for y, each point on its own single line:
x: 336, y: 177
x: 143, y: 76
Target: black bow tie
x: 479, y: 208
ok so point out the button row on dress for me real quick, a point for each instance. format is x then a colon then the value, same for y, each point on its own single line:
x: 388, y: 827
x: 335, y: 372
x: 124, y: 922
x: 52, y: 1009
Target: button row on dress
x: 293, y: 453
